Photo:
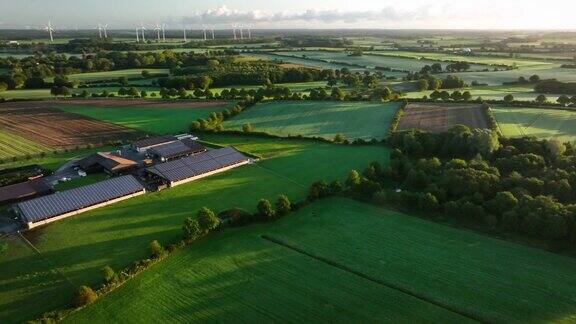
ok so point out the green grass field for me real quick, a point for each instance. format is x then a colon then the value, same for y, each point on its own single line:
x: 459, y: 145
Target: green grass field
x: 521, y: 63
x: 239, y: 276
x: 128, y: 73
x: 539, y: 122
x: 119, y: 234
x: 12, y: 145
x: 497, y: 78
x: 159, y: 120
x: 325, y: 119
x: 371, y: 61
x: 305, y: 62
x: 520, y: 93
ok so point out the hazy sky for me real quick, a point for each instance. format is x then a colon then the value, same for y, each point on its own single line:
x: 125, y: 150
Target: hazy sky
x: 473, y: 14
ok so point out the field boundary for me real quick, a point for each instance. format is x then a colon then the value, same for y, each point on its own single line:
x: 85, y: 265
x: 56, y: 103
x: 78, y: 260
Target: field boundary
x: 72, y: 284
x: 390, y: 285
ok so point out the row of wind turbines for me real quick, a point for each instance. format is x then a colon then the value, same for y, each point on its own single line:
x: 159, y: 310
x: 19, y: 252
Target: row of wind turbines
x: 238, y: 32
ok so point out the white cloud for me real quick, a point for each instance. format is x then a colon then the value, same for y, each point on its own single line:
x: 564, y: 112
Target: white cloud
x: 224, y: 15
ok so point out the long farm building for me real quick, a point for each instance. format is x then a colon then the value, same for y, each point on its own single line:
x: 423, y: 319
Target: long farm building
x: 50, y: 208
x: 197, y: 166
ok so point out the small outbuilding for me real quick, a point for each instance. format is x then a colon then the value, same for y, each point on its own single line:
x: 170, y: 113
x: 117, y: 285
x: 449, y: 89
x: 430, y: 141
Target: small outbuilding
x: 145, y: 144
x: 176, y: 150
x: 108, y: 162
x: 24, y: 190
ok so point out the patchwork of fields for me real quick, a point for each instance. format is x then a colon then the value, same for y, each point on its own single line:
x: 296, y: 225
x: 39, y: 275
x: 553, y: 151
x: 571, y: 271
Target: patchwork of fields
x: 365, y: 120
x: 120, y: 233
x: 441, y: 117
x: 305, y: 62
x: 339, y: 261
x: 483, y: 60
x: 520, y: 93
x: 372, y: 61
x: 540, y: 122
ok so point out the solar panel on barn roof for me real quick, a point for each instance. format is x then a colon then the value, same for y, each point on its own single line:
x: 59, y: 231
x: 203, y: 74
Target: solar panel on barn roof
x: 194, y: 165
x: 67, y: 201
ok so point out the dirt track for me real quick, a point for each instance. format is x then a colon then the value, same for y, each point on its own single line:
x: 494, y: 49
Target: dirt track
x: 441, y: 117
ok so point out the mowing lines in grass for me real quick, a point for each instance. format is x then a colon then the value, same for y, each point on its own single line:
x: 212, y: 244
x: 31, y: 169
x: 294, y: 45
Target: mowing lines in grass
x: 159, y: 120
x: 355, y: 120
x: 405, y: 290
x: 540, y: 122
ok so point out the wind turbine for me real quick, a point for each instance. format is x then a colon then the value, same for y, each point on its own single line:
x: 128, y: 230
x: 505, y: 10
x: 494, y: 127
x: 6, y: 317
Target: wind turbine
x: 212, y: 28
x: 184, y: 29
x: 204, y: 30
x: 157, y: 28
x: 99, y: 27
x: 137, y: 34
x: 249, y: 31
x: 241, y: 34
x: 142, y: 28
x: 105, y: 28
x: 234, y: 30
x: 50, y: 30
x: 163, y: 35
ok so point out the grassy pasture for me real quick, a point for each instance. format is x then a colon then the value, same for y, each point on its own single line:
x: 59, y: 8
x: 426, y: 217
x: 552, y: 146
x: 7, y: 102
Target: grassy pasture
x: 159, y: 120
x: 364, y: 120
x: 521, y: 93
x: 539, y: 122
x: 12, y: 145
x: 521, y: 63
x: 305, y: 62
x: 246, y: 277
x: 371, y: 61
x: 119, y: 234
x: 129, y: 73
x: 497, y: 78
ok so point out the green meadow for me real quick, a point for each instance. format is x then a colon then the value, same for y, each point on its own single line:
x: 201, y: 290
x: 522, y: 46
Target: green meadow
x: 540, y: 122
x: 365, y: 120
x: 343, y: 261
x: 159, y: 120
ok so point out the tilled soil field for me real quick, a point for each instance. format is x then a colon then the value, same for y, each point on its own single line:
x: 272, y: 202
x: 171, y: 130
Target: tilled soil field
x: 52, y: 127
x: 440, y: 117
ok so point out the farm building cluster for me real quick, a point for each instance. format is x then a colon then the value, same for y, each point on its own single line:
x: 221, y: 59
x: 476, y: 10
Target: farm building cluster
x: 149, y: 164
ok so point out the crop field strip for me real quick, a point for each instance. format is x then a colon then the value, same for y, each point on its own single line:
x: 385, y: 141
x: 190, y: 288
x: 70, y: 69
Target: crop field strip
x: 441, y: 117
x: 12, y: 145
x: 354, y: 120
